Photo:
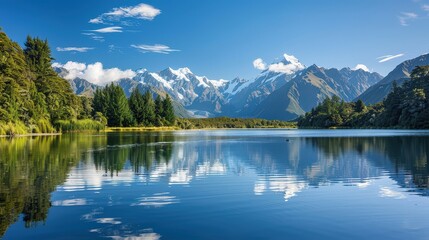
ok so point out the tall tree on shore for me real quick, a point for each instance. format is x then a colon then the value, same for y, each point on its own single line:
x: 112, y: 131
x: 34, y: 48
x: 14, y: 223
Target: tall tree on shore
x: 159, y: 111
x: 113, y: 104
x: 148, y: 109
x: 136, y: 103
x: 58, y: 95
x: 168, y: 114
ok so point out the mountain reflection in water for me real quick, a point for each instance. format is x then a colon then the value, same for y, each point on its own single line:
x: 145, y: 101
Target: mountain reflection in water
x: 31, y: 169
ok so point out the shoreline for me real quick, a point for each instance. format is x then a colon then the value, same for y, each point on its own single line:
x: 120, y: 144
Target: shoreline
x: 31, y: 135
x: 161, y: 129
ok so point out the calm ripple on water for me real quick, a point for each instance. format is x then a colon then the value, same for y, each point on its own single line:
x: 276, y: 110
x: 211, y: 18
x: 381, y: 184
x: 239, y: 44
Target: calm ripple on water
x: 220, y: 184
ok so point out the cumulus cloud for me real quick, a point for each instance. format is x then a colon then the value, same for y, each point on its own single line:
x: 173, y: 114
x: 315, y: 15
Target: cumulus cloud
x: 259, y: 64
x: 74, y: 49
x: 361, y: 66
x: 386, y: 58
x: 94, y: 73
x: 157, y: 48
x: 140, y: 11
x: 405, y: 17
x: 108, y: 30
x: 289, y: 65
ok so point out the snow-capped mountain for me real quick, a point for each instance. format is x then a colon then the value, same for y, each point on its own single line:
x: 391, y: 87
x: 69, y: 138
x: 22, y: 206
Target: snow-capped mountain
x: 194, y: 92
x: 284, y: 84
x: 401, y: 73
x: 243, y: 96
x: 310, y: 87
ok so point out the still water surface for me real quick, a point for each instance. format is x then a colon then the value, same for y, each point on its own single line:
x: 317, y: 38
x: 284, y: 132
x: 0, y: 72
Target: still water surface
x: 234, y: 184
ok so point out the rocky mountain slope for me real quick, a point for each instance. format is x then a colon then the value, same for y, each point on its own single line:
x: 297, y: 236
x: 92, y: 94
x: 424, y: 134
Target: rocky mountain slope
x: 310, y: 87
x: 402, y: 72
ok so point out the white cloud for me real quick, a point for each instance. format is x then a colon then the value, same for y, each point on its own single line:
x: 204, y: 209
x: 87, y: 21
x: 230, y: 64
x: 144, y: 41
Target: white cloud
x: 74, y: 49
x: 96, y: 20
x: 259, y: 64
x: 425, y: 7
x: 361, y: 66
x: 94, y: 36
x: 291, y: 65
x: 140, y: 11
x: 94, y: 73
x: 108, y: 30
x: 405, y: 17
x: 389, y: 57
x: 157, y: 48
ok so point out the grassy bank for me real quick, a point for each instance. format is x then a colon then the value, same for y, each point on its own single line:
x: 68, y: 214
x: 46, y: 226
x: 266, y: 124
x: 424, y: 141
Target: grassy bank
x: 139, y: 129
x: 88, y: 125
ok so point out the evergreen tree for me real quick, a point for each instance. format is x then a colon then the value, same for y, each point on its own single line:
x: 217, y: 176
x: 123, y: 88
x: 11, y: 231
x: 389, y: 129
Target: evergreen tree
x: 360, y: 106
x: 118, y: 111
x: 136, y: 103
x: 148, y: 109
x: 112, y: 103
x: 99, y: 102
x: 168, y: 113
x: 392, y: 105
x: 58, y: 95
x: 159, y: 111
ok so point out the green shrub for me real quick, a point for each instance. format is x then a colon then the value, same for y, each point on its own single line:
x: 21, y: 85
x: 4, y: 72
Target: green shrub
x: 79, y: 125
x: 12, y: 129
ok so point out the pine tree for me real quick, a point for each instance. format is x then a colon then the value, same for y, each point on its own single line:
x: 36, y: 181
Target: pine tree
x: 99, y: 102
x: 148, y: 109
x: 136, y: 103
x: 59, y: 97
x: 168, y: 114
x: 118, y: 111
x: 360, y: 106
x: 159, y: 111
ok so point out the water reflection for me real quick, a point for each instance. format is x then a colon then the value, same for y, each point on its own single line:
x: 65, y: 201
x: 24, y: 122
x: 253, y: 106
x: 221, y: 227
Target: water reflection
x: 32, y: 168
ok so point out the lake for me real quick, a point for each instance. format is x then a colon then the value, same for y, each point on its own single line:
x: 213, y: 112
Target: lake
x: 220, y: 184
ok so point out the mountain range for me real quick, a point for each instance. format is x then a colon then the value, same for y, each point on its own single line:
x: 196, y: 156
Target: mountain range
x: 283, y: 93
x: 402, y: 72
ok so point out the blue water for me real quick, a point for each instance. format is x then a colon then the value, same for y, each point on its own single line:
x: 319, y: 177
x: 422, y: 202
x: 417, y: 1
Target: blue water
x: 221, y: 184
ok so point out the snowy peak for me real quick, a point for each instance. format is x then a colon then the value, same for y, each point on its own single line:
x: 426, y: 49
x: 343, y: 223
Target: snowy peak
x: 288, y: 65
x: 141, y: 70
x: 184, y: 70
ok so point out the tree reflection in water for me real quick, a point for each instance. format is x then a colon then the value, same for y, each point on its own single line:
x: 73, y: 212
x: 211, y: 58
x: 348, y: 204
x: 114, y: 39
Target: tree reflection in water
x: 32, y: 168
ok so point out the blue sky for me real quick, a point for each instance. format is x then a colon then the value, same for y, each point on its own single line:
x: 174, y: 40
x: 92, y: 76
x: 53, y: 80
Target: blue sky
x: 222, y: 38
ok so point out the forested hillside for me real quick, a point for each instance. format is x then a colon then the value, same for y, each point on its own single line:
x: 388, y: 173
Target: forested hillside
x: 34, y: 99
x: 32, y: 96
x: 407, y: 106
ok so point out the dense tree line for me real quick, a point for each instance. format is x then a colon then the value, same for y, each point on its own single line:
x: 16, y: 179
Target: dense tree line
x: 226, y: 122
x: 407, y: 106
x: 33, y: 98
x: 138, y: 110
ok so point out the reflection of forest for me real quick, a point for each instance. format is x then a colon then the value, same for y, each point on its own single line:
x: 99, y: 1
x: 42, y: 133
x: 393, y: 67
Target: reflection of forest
x: 142, y: 150
x: 402, y: 157
x: 31, y: 168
